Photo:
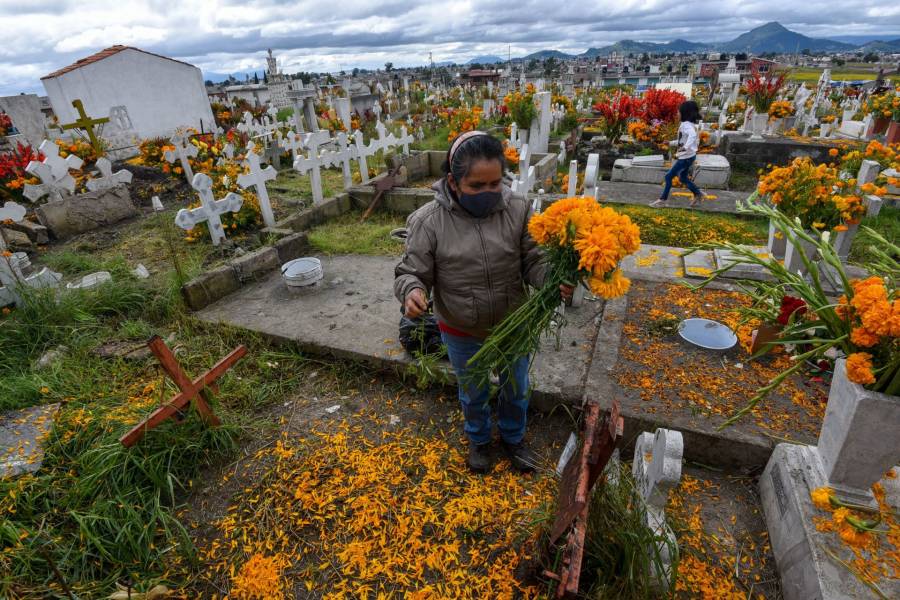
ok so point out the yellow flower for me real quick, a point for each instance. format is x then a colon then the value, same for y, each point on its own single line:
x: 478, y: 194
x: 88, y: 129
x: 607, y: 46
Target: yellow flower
x: 45, y: 390
x: 821, y: 498
x: 840, y: 515
x: 859, y: 368
x: 612, y: 286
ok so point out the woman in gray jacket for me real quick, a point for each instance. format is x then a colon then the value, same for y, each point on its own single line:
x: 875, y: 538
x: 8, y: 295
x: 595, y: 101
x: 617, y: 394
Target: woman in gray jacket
x: 470, y: 249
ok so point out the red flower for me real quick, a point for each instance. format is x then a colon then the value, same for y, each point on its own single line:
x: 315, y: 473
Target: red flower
x: 661, y: 105
x: 789, y: 307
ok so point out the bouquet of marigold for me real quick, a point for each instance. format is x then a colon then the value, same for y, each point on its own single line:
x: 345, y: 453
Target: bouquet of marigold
x: 885, y: 105
x: 781, y: 109
x: 761, y: 91
x: 5, y: 124
x: 583, y: 241
x: 812, y: 194
x: 737, y: 107
x: 863, y: 324
x: 521, y: 108
x: 510, y: 154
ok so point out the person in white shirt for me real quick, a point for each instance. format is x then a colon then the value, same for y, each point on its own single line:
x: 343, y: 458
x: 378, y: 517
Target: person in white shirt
x: 685, y: 155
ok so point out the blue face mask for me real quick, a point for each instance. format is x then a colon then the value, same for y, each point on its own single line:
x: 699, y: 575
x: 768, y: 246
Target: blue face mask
x: 481, y: 204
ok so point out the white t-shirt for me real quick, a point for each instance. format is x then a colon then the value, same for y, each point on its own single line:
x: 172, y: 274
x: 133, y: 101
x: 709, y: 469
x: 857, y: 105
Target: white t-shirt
x: 688, y: 141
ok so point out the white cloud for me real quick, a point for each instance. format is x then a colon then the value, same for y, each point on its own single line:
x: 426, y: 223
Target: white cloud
x: 230, y: 35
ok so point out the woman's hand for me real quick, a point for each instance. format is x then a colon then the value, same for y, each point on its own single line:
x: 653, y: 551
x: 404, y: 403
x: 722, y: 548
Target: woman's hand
x: 566, y: 291
x: 415, y: 303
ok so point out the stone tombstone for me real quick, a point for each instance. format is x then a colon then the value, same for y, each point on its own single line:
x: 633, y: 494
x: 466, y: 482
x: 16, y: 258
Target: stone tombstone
x: 657, y: 469
x: 592, y: 175
x: 107, y: 178
x: 53, y: 171
x: 857, y: 445
x: 573, y: 178
x: 257, y: 177
x: 26, y: 429
x: 209, y: 210
x: 119, y: 133
x: 86, y: 212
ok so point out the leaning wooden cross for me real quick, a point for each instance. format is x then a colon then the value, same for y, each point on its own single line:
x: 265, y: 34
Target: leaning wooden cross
x: 579, y: 476
x: 87, y: 124
x: 196, y: 390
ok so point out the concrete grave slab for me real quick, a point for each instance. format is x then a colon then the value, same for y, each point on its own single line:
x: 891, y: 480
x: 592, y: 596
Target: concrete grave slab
x: 354, y: 315
x: 22, y: 435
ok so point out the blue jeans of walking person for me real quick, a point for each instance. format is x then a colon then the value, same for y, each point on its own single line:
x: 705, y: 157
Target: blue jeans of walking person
x: 475, y: 400
x: 682, y: 170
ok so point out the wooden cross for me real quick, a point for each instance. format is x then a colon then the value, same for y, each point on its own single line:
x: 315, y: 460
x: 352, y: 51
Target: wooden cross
x: 86, y: 123
x: 196, y: 390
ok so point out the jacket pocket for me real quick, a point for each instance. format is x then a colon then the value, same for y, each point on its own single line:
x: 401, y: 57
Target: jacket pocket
x: 459, y: 309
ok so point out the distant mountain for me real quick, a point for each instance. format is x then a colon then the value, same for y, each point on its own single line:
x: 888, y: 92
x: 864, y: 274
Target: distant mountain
x: 774, y: 37
x: 545, y: 54
x: 486, y: 60
x: 633, y: 47
x: 879, y: 46
x: 862, y: 40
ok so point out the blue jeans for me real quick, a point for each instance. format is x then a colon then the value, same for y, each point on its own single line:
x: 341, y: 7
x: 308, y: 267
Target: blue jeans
x: 682, y: 170
x: 513, y: 405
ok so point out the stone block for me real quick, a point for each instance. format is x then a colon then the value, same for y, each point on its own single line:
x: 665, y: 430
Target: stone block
x: 699, y: 264
x: 16, y: 240
x: 800, y: 549
x: 255, y: 264
x: 210, y: 286
x: 86, y: 212
x: 35, y: 232
x: 742, y: 270
x: 22, y: 436
x: 291, y: 247
x: 653, y: 160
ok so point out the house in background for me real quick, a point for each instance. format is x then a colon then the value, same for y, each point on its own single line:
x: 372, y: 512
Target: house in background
x: 161, y: 94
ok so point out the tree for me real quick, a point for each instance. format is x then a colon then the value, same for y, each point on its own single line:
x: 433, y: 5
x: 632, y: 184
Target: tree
x: 208, y: 83
x: 838, y: 62
x: 355, y: 71
x: 669, y: 68
x: 388, y: 66
x: 870, y: 57
x: 806, y: 52
x: 532, y: 65
x: 740, y: 56
x: 551, y: 65
x: 476, y: 66
x: 255, y: 77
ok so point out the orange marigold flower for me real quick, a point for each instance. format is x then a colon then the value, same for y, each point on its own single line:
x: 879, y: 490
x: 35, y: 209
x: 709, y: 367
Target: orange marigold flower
x: 859, y: 368
x: 612, y: 286
x: 821, y: 498
x: 833, y: 152
x: 852, y: 537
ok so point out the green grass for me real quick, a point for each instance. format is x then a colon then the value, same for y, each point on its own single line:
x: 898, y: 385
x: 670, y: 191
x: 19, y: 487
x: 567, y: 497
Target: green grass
x: 621, y: 553
x: 838, y: 74
x: 887, y: 223
x: 436, y: 140
x: 346, y: 235
x: 684, y: 228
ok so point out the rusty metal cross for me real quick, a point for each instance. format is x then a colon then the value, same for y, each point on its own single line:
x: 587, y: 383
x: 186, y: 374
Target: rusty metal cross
x: 196, y: 390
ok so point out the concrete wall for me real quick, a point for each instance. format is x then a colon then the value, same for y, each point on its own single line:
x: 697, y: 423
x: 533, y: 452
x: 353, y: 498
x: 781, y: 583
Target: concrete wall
x: 256, y: 97
x: 25, y: 111
x: 161, y: 95
x: 750, y: 154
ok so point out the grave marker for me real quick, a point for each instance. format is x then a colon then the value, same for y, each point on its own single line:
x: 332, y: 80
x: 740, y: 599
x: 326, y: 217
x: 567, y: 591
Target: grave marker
x: 311, y: 164
x: 195, y: 390
x: 184, y: 150
x: 87, y: 124
x: 258, y: 177
x: 210, y: 210
x: 53, y: 172
x: 108, y: 179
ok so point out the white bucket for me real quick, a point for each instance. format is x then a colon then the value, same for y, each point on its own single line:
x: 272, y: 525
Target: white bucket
x: 302, y: 272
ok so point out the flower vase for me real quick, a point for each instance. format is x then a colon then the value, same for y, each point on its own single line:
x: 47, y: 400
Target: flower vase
x: 860, y: 437
x: 824, y: 130
x: 774, y: 126
x: 777, y: 241
x: 792, y: 259
x: 892, y: 136
x: 758, y: 124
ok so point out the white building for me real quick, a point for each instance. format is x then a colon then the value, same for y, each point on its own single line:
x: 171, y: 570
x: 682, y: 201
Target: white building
x: 161, y: 94
x: 257, y: 94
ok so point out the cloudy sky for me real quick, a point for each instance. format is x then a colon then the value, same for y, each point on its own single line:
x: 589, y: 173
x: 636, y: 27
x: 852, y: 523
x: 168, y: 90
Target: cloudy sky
x: 227, y: 36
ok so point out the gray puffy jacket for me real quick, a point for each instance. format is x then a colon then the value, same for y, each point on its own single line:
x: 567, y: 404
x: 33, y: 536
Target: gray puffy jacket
x: 475, y: 268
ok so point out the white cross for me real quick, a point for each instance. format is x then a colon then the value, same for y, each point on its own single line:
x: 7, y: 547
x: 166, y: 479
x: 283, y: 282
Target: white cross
x: 209, y: 210
x: 342, y: 156
x: 108, y: 179
x: 11, y: 276
x: 311, y: 164
x: 293, y: 142
x: 657, y: 469
x: 525, y: 180
x: 11, y: 211
x: 361, y: 154
x: 573, y: 178
x: 246, y: 125
x: 258, y: 177
x: 182, y: 153
x: 228, y: 150
x: 53, y: 172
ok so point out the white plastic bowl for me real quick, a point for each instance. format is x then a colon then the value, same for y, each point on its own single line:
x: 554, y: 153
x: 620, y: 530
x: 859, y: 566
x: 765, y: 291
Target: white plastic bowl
x: 302, y: 272
x: 707, y: 334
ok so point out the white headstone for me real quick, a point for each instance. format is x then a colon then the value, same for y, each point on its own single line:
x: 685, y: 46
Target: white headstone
x: 184, y: 150
x: 209, y: 210
x: 592, y: 175
x: 257, y: 177
x: 657, y: 469
x: 53, y: 172
x: 573, y: 178
x: 108, y: 179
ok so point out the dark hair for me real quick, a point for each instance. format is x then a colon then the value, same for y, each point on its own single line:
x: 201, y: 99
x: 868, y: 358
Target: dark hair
x: 479, y: 147
x: 689, y: 111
